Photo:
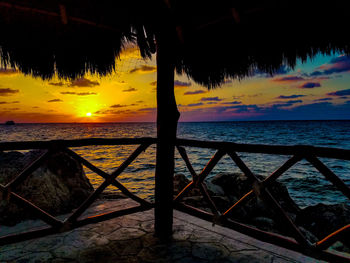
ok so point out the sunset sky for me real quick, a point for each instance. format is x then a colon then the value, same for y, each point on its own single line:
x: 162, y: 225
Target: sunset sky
x: 318, y: 89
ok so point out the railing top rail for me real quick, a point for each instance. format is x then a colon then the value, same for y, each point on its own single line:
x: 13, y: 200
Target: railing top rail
x: 27, y: 145
x: 335, y: 153
x: 326, y: 152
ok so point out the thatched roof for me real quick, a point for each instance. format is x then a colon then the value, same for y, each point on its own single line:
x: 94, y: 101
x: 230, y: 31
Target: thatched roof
x: 212, y: 42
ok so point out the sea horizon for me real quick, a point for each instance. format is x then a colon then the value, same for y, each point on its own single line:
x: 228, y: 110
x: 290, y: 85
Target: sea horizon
x: 224, y: 121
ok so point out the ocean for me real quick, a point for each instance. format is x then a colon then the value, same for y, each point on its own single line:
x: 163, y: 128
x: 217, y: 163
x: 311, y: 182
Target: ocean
x: 305, y: 184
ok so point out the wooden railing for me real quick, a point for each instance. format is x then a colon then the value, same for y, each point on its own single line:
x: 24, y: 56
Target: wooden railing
x: 260, y: 188
x: 72, y: 221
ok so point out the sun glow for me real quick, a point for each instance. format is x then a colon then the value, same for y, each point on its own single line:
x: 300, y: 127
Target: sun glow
x: 88, y: 114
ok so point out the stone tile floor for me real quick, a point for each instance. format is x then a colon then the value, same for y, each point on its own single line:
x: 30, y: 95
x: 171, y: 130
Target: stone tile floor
x: 130, y: 239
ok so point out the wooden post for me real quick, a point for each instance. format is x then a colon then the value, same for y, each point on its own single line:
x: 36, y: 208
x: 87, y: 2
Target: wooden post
x: 167, y: 118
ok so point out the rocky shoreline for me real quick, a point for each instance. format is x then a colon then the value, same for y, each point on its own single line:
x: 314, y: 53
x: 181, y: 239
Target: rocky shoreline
x: 315, y: 222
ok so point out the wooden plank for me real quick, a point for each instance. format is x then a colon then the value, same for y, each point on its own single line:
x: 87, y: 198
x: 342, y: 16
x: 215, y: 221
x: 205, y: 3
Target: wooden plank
x: 335, y: 153
x: 43, y: 215
x: 27, y: 145
x: 240, y: 201
x: 106, y: 216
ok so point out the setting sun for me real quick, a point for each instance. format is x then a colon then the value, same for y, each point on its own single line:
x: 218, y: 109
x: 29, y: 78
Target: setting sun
x: 88, y: 114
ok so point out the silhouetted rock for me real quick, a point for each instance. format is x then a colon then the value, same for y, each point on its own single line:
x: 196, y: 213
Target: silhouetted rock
x: 57, y: 187
x: 236, y: 186
x: 323, y: 219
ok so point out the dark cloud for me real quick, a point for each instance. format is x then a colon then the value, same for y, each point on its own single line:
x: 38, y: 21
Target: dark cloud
x: 68, y: 93
x: 181, y: 84
x: 78, y: 93
x: 288, y: 79
x: 294, y: 96
x: 83, y: 82
x: 195, y: 104
x: 324, y: 99
x: 55, y: 100
x: 316, y: 73
x: 143, y: 69
x: 339, y: 93
x: 153, y: 83
x: 59, y: 84
x: 118, y: 106
x: 211, y: 99
x: 285, y: 103
x: 211, y: 102
x: 243, y: 108
x: 139, y: 101
x: 130, y: 89
x: 294, y: 101
x: 310, y: 85
x: 8, y: 102
x: 8, y: 91
x: 8, y: 71
x: 195, y: 92
x: 86, y: 93
x: 112, y: 112
x: 232, y: 103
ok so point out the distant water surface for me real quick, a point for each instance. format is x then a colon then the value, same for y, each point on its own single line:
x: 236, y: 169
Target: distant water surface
x: 305, y: 184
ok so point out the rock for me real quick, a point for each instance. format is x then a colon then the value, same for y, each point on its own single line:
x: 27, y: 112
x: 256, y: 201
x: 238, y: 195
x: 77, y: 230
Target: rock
x: 180, y: 182
x: 58, y: 186
x: 214, y: 189
x: 323, y: 219
x: 237, y: 185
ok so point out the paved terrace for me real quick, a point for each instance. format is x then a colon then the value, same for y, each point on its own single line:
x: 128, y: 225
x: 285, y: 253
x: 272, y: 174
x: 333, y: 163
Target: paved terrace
x: 130, y: 239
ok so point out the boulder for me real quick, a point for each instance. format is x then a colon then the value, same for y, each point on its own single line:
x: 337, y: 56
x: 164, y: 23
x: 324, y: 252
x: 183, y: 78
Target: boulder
x: 58, y: 186
x: 237, y: 185
x: 322, y: 220
x: 180, y: 182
